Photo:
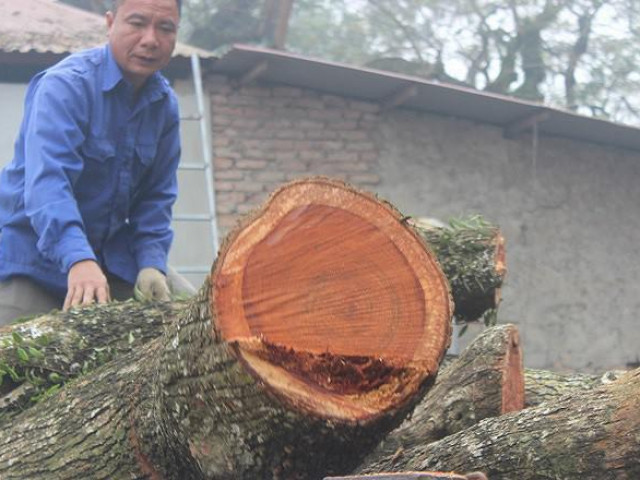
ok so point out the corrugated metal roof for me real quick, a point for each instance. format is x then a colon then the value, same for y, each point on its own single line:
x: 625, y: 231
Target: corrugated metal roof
x: 49, y: 26
x: 509, y: 113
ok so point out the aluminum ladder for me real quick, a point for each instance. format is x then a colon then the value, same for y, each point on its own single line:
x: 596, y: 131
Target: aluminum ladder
x: 205, y: 166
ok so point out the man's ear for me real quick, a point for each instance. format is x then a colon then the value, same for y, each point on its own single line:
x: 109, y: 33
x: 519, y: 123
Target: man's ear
x: 110, y: 17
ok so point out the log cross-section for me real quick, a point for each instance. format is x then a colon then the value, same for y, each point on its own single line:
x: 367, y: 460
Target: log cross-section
x: 330, y: 296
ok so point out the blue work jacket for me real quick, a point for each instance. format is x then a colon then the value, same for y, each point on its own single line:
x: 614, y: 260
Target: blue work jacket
x: 93, y: 174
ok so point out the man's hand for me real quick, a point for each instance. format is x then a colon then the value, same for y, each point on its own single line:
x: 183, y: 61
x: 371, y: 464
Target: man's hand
x: 86, y: 283
x: 151, y: 284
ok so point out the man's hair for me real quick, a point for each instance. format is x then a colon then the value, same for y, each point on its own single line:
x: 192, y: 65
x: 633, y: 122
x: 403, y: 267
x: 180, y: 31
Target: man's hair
x: 117, y: 3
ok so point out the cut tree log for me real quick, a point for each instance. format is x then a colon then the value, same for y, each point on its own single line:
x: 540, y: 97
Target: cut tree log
x: 471, y: 251
x: 472, y: 255
x: 485, y: 381
x: 49, y: 350
x: 593, y: 434
x: 323, y: 321
x: 545, y: 386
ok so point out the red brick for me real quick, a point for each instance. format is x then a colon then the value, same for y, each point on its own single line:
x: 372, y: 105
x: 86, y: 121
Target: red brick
x: 248, y: 186
x: 310, y: 124
x: 321, y: 134
x: 230, y: 198
x: 352, y: 115
x: 279, y: 145
x: 310, y: 103
x: 296, y: 175
x: 221, y: 141
x: 360, y: 146
x: 311, y: 155
x: 353, y: 166
x: 221, y: 163
x: 342, y: 156
x: 321, y: 145
x: 279, y: 102
x: 229, y: 174
x: 246, y: 123
x: 334, y: 101
x: 220, y: 119
x: 251, y: 164
x: 255, y: 91
x: 219, y: 99
x: 360, y: 106
x: 292, y: 166
x: 256, y: 198
x: 371, y: 157
x: 290, y: 112
x: 256, y: 112
x: 326, y: 114
x: 242, y: 101
x: 285, y: 156
x: 227, y: 222
x: 286, y: 92
x: 223, y: 186
x: 244, y: 208
x: 289, y: 134
x: 226, y: 152
x: 344, y: 125
x: 358, y: 135
x: 254, y: 154
x: 269, y: 176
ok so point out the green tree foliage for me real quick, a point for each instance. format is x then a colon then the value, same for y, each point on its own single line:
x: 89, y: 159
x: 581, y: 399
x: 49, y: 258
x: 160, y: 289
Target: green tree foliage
x: 579, y: 55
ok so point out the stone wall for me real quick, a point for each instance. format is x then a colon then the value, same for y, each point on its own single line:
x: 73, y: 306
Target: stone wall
x: 569, y: 210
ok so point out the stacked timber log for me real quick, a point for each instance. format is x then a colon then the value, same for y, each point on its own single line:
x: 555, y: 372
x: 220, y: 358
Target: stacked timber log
x: 312, y: 350
x: 289, y: 362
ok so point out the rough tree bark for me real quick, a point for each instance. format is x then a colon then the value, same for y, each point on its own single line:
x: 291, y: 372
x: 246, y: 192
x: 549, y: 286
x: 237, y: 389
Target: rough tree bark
x: 485, y: 381
x: 471, y: 253
x: 301, y: 351
x: 594, y: 434
x: 54, y: 348
x: 545, y: 386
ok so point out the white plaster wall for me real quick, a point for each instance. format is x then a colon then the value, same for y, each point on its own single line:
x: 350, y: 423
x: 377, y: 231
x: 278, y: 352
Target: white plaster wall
x: 570, y: 215
x: 11, y: 102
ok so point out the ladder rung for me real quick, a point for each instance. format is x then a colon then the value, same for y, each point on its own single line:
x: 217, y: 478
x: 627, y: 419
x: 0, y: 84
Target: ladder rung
x: 194, y: 269
x: 193, y: 217
x: 192, y: 118
x: 193, y: 166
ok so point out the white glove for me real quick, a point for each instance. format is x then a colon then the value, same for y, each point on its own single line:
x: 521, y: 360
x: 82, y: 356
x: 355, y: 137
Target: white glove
x: 151, y: 285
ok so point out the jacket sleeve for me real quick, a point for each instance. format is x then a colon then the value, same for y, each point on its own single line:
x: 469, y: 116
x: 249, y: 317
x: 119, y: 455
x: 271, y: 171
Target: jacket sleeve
x: 150, y: 215
x: 54, y: 126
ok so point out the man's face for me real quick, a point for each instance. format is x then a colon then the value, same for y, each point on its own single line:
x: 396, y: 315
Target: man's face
x: 142, y: 35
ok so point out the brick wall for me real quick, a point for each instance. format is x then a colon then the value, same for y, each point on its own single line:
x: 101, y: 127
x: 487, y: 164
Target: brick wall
x: 266, y: 135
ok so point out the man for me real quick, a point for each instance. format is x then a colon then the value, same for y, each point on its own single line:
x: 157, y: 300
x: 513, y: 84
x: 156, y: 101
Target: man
x: 85, y: 205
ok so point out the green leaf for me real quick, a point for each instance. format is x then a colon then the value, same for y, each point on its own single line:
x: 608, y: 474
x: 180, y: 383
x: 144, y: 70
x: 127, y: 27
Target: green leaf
x: 17, y: 338
x: 43, y: 340
x: 13, y: 374
x: 35, y: 353
x: 131, y: 338
x: 22, y: 354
